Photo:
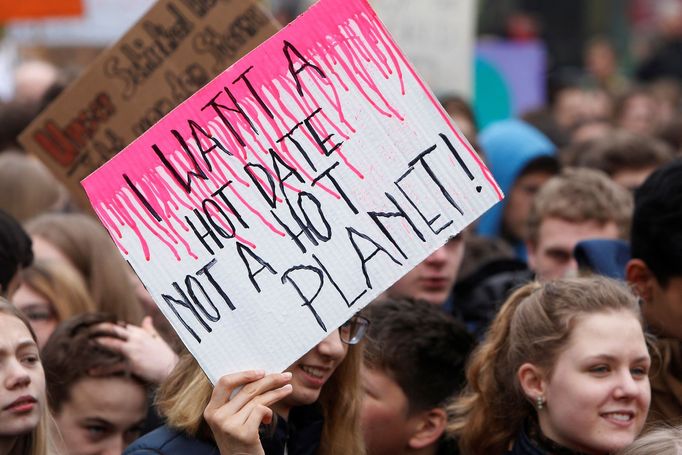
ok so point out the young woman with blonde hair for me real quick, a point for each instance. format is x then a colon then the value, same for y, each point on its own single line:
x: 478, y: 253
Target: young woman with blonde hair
x: 50, y: 293
x: 563, y: 369
x: 81, y: 242
x: 23, y: 405
x: 312, y: 408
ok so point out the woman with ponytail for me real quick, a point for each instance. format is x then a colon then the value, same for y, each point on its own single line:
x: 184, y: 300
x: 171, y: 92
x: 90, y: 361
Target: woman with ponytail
x: 563, y: 370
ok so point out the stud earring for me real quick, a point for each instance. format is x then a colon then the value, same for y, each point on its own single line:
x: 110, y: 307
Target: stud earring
x: 539, y: 402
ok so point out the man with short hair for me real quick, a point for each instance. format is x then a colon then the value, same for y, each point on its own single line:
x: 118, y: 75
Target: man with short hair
x: 576, y: 205
x: 98, y: 404
x: 626, y: 157
x: 432, y: 279
x: 414, y: 361
x: 655, y: 271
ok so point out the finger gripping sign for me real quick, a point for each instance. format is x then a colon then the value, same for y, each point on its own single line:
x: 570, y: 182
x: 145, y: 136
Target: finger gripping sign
x: 286, y: 194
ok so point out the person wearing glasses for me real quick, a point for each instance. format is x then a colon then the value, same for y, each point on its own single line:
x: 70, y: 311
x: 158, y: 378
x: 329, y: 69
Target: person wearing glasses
x: 311, y: 408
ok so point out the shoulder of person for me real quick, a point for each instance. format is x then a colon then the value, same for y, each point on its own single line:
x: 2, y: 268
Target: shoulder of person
x: 168, y: 441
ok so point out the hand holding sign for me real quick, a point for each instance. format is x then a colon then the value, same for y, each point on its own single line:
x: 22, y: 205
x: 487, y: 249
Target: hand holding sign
x: 235, y: 420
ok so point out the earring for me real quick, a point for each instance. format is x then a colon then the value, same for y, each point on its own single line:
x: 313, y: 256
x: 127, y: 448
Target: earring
x: 539, y: 402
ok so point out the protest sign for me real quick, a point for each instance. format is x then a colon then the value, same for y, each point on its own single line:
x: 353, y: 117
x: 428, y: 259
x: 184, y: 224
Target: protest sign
x: 438, y: 38
x: 175, y: 49
x: 291, y: 190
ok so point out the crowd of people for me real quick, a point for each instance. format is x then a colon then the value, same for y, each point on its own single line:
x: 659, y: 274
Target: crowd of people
x: 552, y: 325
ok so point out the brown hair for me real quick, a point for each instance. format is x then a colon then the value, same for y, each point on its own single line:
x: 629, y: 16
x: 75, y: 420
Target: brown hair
x: 27, y: 188
x: 623, y: 150
x: 37, y: 441
x: 73, y: 353
x: 661, y: 441
x: 579, y: 195
x: 533, y: 326
x: 62, y: 286
x: 90, y: 250
x: 185, y: 394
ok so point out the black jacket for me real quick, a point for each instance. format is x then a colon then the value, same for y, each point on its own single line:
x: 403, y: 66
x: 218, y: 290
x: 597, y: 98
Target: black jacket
x: 530, y: 441
x: 300, y: 434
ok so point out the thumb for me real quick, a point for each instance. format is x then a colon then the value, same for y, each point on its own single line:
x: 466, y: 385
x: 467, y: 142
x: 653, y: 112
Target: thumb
x: 148, y: 325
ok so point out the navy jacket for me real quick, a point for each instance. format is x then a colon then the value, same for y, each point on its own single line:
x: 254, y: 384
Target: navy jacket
x: 300, y: 434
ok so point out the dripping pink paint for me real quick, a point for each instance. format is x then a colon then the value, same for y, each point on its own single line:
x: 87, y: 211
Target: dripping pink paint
x: 359, y: 43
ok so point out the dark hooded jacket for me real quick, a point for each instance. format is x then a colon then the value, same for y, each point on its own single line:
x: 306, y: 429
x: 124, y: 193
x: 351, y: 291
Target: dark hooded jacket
x: 300, y: 434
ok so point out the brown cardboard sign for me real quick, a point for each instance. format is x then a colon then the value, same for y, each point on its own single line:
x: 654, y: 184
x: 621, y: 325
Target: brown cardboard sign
x: 174, y: 50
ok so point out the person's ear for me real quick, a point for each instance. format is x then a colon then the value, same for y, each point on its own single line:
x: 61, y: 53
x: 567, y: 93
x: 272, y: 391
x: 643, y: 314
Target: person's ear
x: 532, y: 380
x: 430, y: 426
x: 640, y: 276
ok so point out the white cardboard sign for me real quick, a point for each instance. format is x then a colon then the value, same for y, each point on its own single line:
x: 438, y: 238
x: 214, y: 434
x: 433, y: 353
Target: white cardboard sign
x: 286, y: 194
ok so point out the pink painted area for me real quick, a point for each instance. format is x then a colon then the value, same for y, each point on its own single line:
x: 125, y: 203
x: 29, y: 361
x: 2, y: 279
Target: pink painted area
x: 345, y: 39
x: 484, y: 169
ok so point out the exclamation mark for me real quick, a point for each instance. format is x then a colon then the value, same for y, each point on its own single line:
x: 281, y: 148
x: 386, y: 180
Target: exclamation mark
x: 459, y: 160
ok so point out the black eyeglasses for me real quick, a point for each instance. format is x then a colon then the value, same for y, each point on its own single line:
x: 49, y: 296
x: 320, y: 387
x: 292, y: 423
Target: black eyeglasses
x: 354, y: 329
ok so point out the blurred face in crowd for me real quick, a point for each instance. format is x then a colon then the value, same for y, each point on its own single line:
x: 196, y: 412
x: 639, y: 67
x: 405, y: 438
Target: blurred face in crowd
x: 433, y: 278
x: 38, y: 310
x: 590, y: 131
x: 22, y: 381
x: 102, y: 416
x: 601, y: 60
x: 639, y: 114
x: 44, y: 250
x: 312, y: 371
x: 597, y: 395
x: 552, y: 256
x: 386, y: 423
x: 569, y: 107
x: 519, y: 201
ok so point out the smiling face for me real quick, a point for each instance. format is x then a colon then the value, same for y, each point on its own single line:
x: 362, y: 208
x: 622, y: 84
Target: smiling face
x: 102, y: 416
x: 312, y: 371
x: 598, y: 394
x: 432, y: 279
x: 22, y: 381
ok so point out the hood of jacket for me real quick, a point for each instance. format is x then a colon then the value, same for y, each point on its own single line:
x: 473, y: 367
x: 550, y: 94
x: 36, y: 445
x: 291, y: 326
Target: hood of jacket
x: 509, y: 146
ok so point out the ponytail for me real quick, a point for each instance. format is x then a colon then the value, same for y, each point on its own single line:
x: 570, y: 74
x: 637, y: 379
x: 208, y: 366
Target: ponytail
x: 486, y: 417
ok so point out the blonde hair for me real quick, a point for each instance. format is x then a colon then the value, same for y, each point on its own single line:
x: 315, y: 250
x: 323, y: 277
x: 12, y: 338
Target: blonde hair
x: 61, y: 286
x: 533, y: 326
x: 185, y: 394
x: 88, y: 247
x: 661, y: 441
x: 579, y: 195
x: 37, y: 441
